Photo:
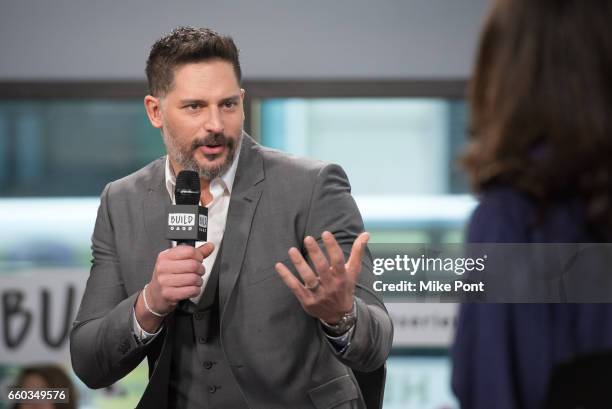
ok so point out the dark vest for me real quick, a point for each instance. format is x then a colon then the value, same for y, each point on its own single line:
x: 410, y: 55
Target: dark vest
x: 200, y: 377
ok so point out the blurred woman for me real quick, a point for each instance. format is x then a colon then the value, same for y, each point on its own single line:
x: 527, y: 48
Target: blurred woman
x: 540, y: 160
x: 45, y: 376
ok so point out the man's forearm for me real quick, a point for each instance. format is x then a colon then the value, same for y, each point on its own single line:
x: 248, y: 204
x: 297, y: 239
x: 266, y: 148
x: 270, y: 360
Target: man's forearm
x: 104, y: 349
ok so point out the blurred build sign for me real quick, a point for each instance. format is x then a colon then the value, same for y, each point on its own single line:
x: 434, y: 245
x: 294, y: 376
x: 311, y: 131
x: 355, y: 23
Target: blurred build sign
x: 37, y: 308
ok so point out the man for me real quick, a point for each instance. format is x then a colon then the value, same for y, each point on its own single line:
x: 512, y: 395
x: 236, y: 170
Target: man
x: 253, y: 334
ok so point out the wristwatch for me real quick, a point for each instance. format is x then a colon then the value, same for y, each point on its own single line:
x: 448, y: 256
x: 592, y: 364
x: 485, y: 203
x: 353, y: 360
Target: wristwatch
x: 347, y: 322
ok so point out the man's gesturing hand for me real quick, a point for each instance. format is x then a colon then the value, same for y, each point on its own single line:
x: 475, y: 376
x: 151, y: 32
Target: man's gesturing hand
x: 328, y: 293
x: 177, y: 276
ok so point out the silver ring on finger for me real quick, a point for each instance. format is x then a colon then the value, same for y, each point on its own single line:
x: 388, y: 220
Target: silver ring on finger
x: 313, y: 287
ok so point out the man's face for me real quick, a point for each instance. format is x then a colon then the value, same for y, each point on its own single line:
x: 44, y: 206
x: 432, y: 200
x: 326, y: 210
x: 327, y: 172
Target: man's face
x: 201, y: 117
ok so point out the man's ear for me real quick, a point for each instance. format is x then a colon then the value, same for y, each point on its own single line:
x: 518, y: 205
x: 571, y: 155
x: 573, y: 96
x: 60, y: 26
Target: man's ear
x: 242, y: 92
x: 153, y: 108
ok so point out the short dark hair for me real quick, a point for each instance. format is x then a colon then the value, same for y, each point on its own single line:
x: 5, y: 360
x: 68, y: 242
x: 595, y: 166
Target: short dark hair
x: 187, y: 45
x: 541, y: 105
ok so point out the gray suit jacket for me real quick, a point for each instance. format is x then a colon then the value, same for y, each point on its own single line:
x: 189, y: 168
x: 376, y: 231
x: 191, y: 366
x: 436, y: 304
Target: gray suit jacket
x: 277, y: 353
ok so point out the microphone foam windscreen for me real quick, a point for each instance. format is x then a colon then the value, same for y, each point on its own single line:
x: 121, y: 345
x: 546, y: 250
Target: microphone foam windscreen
x: 187, y: 190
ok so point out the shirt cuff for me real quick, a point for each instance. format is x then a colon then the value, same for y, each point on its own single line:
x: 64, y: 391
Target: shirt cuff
x: 140, y: 334
x: 342, y: 342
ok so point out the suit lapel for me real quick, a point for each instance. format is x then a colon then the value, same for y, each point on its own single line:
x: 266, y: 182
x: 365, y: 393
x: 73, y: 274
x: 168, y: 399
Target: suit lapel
x: 154, y: 205
x: 243, y: 202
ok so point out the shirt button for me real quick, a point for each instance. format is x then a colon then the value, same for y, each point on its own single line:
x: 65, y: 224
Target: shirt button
x: 212, y: 389
x: 202, y: 340
x: 208, y: 364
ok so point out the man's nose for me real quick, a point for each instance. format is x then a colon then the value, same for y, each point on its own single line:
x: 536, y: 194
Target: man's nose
x: 214, y: 121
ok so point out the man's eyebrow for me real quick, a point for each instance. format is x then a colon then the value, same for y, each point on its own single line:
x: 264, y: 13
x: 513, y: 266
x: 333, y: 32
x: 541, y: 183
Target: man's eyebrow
x: 192, y: 101
x: 231, y: 98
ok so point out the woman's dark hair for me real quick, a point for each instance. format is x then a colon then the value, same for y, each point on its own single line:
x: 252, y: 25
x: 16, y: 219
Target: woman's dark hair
x: 541, y: 102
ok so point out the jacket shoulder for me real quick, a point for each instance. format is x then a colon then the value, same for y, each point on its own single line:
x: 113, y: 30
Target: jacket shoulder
x: 151, y: 175
x: 278, y: 163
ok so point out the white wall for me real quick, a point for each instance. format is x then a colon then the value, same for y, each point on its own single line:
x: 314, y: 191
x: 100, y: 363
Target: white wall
x: 85, y: 39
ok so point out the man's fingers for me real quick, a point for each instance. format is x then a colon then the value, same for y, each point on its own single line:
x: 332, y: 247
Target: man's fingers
x: 182, y: 252
x: 336, y: 256
x: 316, y: 255
x: 205, y: 250
x: 180, y: 267
x: 293, y: 283
x: 354, y: 261
x: 302, y: 267
x: 179, y: 253
x: 181, y: 280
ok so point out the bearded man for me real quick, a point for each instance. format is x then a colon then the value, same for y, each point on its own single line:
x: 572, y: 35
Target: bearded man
x: 261, y: 326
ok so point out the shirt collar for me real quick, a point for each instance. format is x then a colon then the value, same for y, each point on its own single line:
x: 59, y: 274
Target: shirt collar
x: 222, y: 183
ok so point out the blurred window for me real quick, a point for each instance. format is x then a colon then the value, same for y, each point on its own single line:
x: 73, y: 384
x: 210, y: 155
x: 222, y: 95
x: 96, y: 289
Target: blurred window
x: 72, y: 147
x: 387, y: 146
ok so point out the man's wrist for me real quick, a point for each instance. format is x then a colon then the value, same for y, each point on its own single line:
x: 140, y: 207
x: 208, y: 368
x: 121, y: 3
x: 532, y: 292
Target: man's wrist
x: 141, y: 335
x: 146, y: 304
x: 343, y: 325
x: 147, y: 321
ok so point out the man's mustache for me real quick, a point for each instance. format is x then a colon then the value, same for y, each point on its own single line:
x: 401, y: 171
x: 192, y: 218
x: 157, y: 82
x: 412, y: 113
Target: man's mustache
x: 213, y: 139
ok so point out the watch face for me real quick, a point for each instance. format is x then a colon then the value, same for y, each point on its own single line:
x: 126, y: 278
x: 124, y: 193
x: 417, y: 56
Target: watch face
x: 348, y: 320
x: 345, y: 323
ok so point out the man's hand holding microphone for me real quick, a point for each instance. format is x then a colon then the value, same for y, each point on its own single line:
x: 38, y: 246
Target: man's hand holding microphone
x: 177, y: 276
x: 178, y: 271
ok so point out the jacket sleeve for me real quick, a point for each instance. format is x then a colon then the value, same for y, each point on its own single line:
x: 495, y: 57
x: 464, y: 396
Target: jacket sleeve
x: 332, y: 208
x: 103, y: 348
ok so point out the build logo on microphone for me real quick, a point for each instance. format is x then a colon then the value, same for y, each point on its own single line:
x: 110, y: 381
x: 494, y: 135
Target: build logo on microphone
x: 181, y: 221
x: 203, y: 221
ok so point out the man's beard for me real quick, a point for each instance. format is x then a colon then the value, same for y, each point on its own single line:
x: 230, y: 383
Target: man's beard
x: 186, y: 160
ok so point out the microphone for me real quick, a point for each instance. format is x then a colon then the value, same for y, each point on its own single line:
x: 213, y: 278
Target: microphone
x: 187, y: 221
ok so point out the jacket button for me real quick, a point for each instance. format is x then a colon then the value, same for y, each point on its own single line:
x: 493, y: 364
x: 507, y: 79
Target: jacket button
x: 212, y: 389
x: 202, y: 340
x: 208, y: 364
x: 198, y: 315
